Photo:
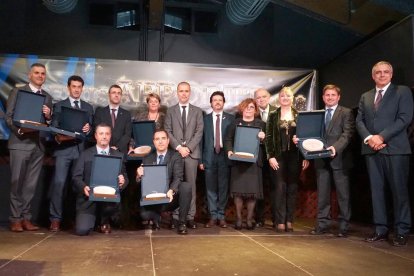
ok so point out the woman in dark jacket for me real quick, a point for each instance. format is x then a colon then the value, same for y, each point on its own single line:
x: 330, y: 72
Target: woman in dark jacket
x: 284, y: 159
x: 246, y: 178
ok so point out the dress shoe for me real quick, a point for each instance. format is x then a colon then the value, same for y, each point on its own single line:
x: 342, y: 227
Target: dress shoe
x: 342, y: 234
x: 54, y: 226
x: 192, y: 224
x: 400, y: 240
x: 182, y: 229
x: 318, y: 231
x: 16, y: 226
x: 238, y: 225
x: 156, y: 226
x: 222, y: 223
x: 174, y: 224
x: 260, y: 224
x: 250, y: 226
x: 210, y: 223
x: 374, y: 237
x: 28, y: 226
x: 105, y: 229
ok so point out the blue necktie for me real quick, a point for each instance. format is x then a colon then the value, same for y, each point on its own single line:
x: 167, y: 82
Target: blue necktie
x: 328, y: 117
x: 103, y: 152
x: 160, y: 159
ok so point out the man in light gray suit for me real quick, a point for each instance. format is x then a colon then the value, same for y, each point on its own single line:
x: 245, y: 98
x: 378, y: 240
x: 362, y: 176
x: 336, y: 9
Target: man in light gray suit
x: 26, y: 154
x: 184, y: 124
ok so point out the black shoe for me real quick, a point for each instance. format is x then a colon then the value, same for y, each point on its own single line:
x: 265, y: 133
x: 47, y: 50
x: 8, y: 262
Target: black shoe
x: 250, y: 226
x: 192, y: 224
x: 182, y: 229
x: 238, y: 225
x: 156, y: 226
x: 400, y: 240
x: 260, y: 224
x: 374, y: 237
x: 174, y: 224
x: 318, y: 231
x: 342, y: 234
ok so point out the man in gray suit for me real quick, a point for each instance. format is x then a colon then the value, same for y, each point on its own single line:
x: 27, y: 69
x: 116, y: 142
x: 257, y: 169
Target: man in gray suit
x: 339, y: 129
x: 26, y: 154
x: 384, y: 114
x: 66, y: 151
x: 184, y: 125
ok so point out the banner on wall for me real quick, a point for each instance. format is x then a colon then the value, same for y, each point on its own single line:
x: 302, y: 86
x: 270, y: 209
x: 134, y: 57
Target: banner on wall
x: 139, y: 78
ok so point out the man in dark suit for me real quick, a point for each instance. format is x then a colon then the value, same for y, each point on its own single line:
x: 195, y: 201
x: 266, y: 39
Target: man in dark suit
x: 87, y: 211
x: 66, y: 150
x: 179, y: 192
x: 26, y: 154
x: 118, y: 118
x: 215, y: 162
x: 339, y: 129
x: 384, y: 114
x: 262, y: 97
x: 184, y: 125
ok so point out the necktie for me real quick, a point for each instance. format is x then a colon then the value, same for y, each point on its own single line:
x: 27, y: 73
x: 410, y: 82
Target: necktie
x: 76, y: 104
x: 103, y: 152
x: 378, y: 100
x: 160, y: 159
x: 184, y: 119
x: 113, y: 117
x: 328, y: 117
x: 217, y: 137
x: 39, y: 92
x: 264, y: 117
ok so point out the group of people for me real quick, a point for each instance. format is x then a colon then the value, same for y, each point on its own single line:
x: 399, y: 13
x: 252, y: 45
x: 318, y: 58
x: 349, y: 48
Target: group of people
x: 186, y: 141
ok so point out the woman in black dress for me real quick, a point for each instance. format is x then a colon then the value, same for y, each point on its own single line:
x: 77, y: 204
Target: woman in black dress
x: 284, y: 158
x: 246, y: 178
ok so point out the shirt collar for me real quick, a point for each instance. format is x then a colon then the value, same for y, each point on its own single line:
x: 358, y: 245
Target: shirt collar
x: 113, y: 107
x: 266, y: 109
x: 332, y: 107
x: 99, y: 149
x: 34, y: 89
x: 384, y: 89
x: 162, y: 153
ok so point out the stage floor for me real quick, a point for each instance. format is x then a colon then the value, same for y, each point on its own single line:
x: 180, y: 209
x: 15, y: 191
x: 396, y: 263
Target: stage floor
x: 213, y: 251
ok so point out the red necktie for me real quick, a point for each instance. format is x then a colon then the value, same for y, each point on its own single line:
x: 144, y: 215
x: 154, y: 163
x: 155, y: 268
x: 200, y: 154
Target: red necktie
x: 378, y: 100
x: 217, y: 137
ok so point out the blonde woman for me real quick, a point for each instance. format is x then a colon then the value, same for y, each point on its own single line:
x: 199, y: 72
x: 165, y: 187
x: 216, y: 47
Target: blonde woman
x: 284, y: 159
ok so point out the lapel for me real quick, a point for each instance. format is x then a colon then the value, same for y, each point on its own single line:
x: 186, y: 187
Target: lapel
x: 224, y: 123
x: 209, y: 124
x: 386, y: 98
x: 177, y: 112
x: 66, y: 102
x: 190, y: 112
x: 334, y: 118
x: 167, y: 157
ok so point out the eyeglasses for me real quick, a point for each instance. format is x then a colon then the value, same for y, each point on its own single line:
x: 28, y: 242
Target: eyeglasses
x: 250, y: 107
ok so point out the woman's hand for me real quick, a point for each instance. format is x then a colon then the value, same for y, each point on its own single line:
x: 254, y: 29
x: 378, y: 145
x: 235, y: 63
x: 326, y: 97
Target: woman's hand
x: 261, y: 135
x: 305, y: 164
x: 273, y: 163
x: 295, y: 140
x: 229, y: 153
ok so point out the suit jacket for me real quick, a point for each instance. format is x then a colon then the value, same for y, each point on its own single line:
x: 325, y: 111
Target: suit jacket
x: 208, y: 135
x: 26, y: 141
x: 339, y: 134
x: 121, y: 134
x: 65, y: 147
x: 194, y: 129
x: 82, y: 171
x: 272, y: 141
x: 175, y: 166
x: 391, y: 120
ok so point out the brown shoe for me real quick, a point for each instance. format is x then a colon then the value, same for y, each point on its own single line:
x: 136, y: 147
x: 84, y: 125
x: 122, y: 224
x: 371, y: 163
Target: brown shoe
x: 210, y: 223
x: 105, y: 229
x: 54, y: 226
x: 222, y: 223
x: 16, y: 226
x: 27, y: 225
